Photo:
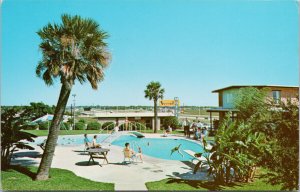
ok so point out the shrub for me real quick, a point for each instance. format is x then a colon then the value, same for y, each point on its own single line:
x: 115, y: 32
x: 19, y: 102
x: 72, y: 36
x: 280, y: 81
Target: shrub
x: 82, y: 121
x: 172, y: 121
x: 30, y: 127
x: 11, y: 136
x: 79, y: 126
x: 93, y: 126
x: 44, y: 125
x: 108, y: 125
x: 64, y: 126
x: 67, y: 125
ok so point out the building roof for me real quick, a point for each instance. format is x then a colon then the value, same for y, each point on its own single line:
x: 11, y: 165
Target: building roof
x: 258, y: 86
x: 126, y: 114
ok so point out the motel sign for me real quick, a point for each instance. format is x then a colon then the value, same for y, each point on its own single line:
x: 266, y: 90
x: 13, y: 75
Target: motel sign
x: 168, y: 103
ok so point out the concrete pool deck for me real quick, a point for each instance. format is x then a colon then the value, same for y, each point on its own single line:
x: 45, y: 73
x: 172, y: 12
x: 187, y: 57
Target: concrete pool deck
x: 124, y: 176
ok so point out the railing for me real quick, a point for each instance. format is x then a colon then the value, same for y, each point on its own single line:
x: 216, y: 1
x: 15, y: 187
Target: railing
x: 115, y: 135
x: 112, y: 137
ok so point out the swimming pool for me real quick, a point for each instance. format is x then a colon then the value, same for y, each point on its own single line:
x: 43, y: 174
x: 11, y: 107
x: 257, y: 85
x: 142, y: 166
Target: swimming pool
x: 72, y: 140
x: 160, y: 147
x: 154, y: 147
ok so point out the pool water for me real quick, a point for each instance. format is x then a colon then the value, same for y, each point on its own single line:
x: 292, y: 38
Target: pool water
x: 155, y: 147
x: 160, y: 147
x: 72, y: 140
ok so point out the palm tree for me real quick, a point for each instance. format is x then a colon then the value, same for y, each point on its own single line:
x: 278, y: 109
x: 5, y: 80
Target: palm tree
x: 154, y: 92
x: 72, y: 50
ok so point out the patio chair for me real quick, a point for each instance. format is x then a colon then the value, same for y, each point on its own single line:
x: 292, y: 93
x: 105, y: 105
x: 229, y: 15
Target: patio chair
x: 129, y: 156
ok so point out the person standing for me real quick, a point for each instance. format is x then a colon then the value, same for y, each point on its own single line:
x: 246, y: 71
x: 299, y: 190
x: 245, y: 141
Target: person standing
x: 169, y: 129
x: 185, y: 127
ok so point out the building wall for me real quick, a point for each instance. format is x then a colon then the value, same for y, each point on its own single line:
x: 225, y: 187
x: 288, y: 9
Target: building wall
x: 286, y: 93
x: 228, y: 98
x: 148, y: 121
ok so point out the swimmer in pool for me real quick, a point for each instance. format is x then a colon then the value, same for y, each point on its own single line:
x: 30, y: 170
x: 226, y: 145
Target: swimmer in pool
x: 176, y: 149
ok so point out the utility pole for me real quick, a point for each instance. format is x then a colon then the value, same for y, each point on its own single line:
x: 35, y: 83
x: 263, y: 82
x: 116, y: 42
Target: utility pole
x: 74, y: 95
x: 176, y: 106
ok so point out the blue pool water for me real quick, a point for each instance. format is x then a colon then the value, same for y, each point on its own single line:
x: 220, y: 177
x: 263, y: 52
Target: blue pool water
x: 71, y: 140
x: 160, y: 147
x: 155, y: 147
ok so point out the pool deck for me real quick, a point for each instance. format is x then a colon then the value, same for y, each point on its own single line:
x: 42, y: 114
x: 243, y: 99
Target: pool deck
x: 124, y: 176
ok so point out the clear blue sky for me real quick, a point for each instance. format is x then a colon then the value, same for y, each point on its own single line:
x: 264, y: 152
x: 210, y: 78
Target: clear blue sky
x: 192, y: 47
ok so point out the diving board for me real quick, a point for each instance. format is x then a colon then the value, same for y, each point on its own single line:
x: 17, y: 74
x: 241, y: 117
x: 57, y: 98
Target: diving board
x: 136, y: 133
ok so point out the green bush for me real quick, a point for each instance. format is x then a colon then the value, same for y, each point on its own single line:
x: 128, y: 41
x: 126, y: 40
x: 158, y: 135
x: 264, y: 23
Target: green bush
x: 93, y: 126
x: 79, y: 126
x: 108, y: 125
x: 30, y: 127
x: 172, y: 121
x: 82, y: 121
x: 44, y: 125
x: 65, y: 126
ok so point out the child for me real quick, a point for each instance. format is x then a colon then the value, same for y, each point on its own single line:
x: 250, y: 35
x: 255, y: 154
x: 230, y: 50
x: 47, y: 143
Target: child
x: 139, y: 154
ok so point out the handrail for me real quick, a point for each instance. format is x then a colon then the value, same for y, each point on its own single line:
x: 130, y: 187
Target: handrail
x: 138, y: 126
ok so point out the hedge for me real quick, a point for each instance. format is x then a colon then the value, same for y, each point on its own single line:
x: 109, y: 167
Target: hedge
x: 172, y: 121
x: 79, y: 126
x: 30, y: 127
x: 65, y: 126
x: 108, y: 125
x: 44, y: 125
x: 93, y: 126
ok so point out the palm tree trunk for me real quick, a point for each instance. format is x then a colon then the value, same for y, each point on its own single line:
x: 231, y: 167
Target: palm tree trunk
x: 155, y: 116
x: 43, y: 171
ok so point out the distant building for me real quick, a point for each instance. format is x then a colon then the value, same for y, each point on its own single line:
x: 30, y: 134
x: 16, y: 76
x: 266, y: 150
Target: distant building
x: 143, y: 117
x: 227, y: 95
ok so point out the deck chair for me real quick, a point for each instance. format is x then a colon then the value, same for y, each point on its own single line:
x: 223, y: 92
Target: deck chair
x: 128, y: 156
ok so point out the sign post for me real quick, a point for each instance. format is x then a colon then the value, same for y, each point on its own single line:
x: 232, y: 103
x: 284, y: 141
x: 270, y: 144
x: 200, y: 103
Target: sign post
x: 171, y: 103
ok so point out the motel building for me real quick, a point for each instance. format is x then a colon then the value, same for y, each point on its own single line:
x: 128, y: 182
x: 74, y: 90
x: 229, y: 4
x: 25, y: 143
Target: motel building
x: 227, y: 95
x: 168, y: 108
x: 134, y: 117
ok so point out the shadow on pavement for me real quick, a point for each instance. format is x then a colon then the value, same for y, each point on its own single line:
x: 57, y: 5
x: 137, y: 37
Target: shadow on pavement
x: 31, y: 154
x: 86, y: 163
x: 23, y: 162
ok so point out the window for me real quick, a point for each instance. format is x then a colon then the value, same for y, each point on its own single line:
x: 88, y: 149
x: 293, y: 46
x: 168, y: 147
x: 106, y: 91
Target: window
x: 276, y: 96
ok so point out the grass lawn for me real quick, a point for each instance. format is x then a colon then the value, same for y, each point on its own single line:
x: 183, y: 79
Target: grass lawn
x: 20, y: 178
x: 180, y: 184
